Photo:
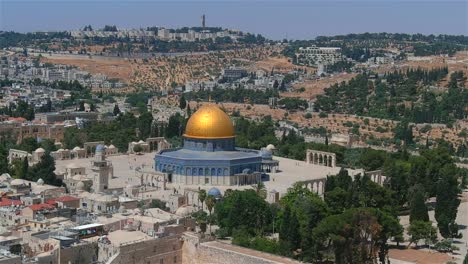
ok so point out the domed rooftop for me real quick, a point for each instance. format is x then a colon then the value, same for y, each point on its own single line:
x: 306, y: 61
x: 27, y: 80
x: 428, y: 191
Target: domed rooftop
x: 99, y: 148
x: 40, y: 181
x: 6, y: 175
x: 209, y: 122
x: 80, y: 186
x: 270, y: 147
x: 40, y: 150
x: 214, y: 192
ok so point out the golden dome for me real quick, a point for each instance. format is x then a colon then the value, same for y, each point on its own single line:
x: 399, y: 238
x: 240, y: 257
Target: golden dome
x: 209, y: 122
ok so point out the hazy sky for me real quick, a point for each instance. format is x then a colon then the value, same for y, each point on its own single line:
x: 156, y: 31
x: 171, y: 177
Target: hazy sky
x: 294, y: 19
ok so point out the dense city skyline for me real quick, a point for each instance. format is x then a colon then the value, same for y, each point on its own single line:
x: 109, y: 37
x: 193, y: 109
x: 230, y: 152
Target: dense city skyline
x: 273, y: 19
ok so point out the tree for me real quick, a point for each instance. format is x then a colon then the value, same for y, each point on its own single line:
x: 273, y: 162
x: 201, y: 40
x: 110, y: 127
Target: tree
x: 144, y: 124
x: 21, y: 168
x: 338, y: 200
x: 419, y: 230
x: 142, y: 107
x: 182, y: 102
x: 189, y: 111
x: 4, y: 168
x: 174, y: 126
x: 201, y: 218
x: 156, y: 203
x: 81, y: 107
x: 73, y: 137
x: 202, y: 196
x: 303, y: 211
x: 445, y: 245
x: 289, y: 230
x: 243, y: 210
x: 210, y: 202
x: 44, y: 170
x: 48, y: 145
x: 116, y: 111
x: 447, y: 201
x: 418, y: 208
x: 137, y: 149
x: 260, y: 189
x: 358, y: 235
x: 28, y: 144
x: 275, y: 84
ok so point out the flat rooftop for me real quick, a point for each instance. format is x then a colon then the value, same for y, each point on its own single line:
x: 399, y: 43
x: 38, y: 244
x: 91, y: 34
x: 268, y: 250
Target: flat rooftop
x: 120, y: 237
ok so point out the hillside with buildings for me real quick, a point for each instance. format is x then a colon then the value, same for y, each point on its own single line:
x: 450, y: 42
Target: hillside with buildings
x: 213, y: 145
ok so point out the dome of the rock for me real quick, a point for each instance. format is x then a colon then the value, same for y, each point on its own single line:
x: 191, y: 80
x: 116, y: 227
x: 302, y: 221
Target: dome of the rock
x: 209, y: 122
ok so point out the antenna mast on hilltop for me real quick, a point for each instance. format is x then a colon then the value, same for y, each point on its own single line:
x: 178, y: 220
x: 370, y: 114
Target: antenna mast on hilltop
x: 203, y: 21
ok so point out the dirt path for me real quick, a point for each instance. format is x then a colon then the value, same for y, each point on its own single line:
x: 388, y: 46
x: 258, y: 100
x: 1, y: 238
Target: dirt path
x: 419, y: 256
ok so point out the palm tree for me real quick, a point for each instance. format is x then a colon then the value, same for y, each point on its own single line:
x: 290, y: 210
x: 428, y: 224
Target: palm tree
x: 210, y: 202
x: 260, y: 189
x: 202, y: 196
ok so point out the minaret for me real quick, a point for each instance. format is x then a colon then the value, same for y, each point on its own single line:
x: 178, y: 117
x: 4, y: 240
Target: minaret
x: 101, y: 170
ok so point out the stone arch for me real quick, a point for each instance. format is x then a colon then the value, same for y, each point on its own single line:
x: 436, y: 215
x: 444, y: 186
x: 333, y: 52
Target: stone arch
x: 320, y: 187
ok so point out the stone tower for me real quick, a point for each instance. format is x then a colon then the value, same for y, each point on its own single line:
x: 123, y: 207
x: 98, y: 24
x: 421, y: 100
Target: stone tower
x: 102, y: 170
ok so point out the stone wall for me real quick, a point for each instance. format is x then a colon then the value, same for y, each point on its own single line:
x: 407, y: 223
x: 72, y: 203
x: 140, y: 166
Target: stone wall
x: 195, y: 251
x: 154, y: 251
x: 80, y: 253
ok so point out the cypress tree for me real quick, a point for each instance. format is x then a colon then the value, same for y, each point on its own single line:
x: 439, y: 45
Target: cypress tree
x: 418, y: 208
x: 189, y: 111
x: 116, y: 110
x: 447, y: 201
x: 182, y: 102
x: 23, y: 172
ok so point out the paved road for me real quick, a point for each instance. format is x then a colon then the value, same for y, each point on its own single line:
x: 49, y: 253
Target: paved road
x: 462, y: 220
